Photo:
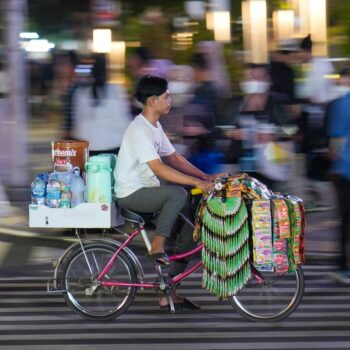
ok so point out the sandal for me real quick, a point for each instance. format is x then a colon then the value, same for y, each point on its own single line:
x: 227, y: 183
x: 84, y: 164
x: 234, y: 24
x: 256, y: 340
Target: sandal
x: 185, y: 304
x: 159, y: 258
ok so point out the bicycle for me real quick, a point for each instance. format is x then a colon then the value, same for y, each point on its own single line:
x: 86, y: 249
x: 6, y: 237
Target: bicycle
x: 99, y: 279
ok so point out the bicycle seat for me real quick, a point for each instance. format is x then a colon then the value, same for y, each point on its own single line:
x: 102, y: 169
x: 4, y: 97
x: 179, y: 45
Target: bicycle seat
x: 135, y: 217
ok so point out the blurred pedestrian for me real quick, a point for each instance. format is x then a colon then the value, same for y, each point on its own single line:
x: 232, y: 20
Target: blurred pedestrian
x: 65, y: 82
x: 180, y: 84
x: 339, y: 133
x: 100, y: 111
x: 317, y: 93
x: 260, y: 118
x: 4, y: 87
x: 138, y: 65
x: 216, y: 65
x: 282, y: 72
x: 4, y: 83
x: 5, y: 208
x: 205, y: 93
x: 318, y: 86
x: 200, y: 117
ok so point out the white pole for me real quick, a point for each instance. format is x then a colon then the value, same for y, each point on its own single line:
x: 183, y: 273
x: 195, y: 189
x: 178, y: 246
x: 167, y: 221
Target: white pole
x: 13, y: 140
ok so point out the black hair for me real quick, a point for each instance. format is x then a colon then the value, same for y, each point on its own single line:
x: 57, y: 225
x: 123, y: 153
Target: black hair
x: 306, y: 44
x: 150, y: 85
x: 144, y: 53
x: 99, y: 75
x: 73, y: 57
x: 200, y: 61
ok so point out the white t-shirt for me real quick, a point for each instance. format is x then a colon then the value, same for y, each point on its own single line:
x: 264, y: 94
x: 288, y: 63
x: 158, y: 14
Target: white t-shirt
x: 317, y: 87
x: 142, y: 142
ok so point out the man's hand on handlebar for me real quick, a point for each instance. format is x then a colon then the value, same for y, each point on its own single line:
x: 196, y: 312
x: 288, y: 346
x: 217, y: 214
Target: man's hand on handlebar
x: 205, y: 186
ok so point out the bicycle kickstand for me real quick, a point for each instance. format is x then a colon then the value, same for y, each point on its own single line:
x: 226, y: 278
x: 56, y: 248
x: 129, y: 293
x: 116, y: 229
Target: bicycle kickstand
x: 171, y: 304
x: 162, y: 287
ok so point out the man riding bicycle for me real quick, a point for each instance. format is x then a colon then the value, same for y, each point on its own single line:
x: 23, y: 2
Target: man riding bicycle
x: 145, y: 155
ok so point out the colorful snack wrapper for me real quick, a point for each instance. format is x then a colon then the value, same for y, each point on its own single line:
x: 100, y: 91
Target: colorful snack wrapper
x: 262, y: 232
x: 281, y: 215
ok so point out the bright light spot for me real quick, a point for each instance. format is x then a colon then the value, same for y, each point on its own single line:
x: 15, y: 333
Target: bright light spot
x: 222, y: 26
x: 102, y: 40
x: 331, y: 76
x: 40, y: 45
x: 28, y: 35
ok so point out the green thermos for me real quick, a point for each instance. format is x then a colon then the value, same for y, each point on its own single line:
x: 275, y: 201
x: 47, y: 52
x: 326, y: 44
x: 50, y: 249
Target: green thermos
x: 98, y: 182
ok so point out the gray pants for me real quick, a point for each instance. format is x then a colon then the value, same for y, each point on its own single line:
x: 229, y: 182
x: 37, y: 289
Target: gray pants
x: 169, y: 201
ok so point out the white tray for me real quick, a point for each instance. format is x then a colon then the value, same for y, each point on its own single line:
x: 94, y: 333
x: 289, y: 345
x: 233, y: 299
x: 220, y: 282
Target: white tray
x: 85, y: 215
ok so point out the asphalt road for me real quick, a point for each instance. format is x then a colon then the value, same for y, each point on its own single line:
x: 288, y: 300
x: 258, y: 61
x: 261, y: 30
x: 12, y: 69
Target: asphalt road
x: 30, y: 318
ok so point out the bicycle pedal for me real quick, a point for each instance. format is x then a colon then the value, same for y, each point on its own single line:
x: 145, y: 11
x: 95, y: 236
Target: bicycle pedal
x: 166, y: 292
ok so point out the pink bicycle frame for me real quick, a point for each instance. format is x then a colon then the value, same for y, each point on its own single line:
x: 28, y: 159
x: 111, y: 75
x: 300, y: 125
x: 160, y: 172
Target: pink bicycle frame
x: 172, y: 281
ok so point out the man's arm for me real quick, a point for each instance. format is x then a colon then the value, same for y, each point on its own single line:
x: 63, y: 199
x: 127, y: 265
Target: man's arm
x: 178, y: 162
x: 170, y: 174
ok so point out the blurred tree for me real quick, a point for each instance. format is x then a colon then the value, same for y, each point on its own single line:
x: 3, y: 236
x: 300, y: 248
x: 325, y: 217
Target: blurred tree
x: 339, y: 25
x: 50, y: 18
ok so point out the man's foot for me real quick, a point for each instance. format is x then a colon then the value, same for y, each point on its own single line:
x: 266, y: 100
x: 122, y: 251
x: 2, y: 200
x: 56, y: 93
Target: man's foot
x: 157, y: 254
x: 341, y: 276
x: 159, y: 258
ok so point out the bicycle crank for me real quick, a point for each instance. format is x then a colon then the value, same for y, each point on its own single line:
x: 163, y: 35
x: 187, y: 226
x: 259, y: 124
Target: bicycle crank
x: 92, y: 289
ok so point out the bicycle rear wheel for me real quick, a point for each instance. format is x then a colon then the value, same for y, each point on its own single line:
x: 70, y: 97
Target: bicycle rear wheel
x: 274, y: 299
x: 88, y: 300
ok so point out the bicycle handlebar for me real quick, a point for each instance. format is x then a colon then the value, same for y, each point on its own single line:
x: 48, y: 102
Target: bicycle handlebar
x: 218, y: 185
x: 196, y: 191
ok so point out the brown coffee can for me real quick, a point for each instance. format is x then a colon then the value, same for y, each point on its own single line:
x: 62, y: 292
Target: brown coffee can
x: 67, y: 154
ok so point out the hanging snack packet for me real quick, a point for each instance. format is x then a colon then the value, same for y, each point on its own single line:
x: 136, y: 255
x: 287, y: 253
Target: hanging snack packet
x: 298, y: 242
x: 262, y: 232
x: 281, y: 234
x: 281, y: 216
x: 295, y: 229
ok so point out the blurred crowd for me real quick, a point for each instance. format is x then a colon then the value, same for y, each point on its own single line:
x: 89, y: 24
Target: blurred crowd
x: 294, y: 107
x: 280, y: 109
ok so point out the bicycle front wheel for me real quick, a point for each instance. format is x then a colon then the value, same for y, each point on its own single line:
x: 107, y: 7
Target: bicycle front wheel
x: 84, y: 296
x: 272, y: 299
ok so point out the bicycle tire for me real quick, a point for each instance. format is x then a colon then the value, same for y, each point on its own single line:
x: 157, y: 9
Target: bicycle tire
x: 106, y: 303
x: 275, y: 302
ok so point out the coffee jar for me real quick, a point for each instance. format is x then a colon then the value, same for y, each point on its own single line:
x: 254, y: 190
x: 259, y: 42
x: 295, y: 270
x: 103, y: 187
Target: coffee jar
x: 68, y: 154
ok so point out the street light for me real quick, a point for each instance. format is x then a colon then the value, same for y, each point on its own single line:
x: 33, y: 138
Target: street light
x: 222, y: 26
x: 312, y: 16
x: 283, y: 24
x: 254, y: 15
x: 102, y: 40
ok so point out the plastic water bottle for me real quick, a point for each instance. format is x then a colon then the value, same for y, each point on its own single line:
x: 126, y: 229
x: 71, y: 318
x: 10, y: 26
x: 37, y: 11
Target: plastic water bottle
x: 38, y: 188
x: 77, y: 188
x: 66, y: 197
x: 53, y: 193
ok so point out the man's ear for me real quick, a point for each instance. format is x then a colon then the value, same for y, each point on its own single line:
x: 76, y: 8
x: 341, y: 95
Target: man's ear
x: 151, y: 100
